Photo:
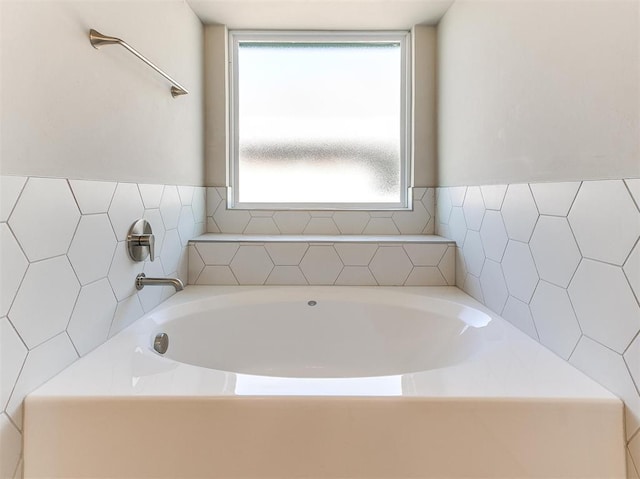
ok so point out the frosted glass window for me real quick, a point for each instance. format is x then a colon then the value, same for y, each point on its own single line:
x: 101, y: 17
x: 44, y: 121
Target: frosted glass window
x: 319, y: 121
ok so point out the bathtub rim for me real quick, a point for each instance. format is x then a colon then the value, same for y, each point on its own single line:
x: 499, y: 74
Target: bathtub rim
x: 110, y: 369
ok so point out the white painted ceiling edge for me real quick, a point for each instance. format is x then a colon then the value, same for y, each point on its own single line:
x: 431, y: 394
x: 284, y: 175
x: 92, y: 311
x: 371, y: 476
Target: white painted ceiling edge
x: 320, y: 14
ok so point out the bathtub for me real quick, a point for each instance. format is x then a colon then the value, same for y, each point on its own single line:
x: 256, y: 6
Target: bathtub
x: 322, y: 382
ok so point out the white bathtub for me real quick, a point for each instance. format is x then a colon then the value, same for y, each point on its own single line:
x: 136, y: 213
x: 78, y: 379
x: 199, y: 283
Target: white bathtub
x: 322, y: 333
x: 313, y: 382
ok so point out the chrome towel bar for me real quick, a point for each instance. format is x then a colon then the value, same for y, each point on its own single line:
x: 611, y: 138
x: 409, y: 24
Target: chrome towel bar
x: 97, y: 39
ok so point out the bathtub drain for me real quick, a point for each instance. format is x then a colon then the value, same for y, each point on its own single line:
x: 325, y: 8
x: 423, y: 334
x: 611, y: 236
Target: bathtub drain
x: 312, y: 303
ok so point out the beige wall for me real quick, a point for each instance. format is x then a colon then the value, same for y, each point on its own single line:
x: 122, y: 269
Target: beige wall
x: 69, y: 110
x: 539, y: 91
x: 424, y: 113
x: 216, y: 106
x: 425, y: 153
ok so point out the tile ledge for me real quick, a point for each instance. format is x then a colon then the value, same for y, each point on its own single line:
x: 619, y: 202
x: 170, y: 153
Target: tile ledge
x: 241, y: 238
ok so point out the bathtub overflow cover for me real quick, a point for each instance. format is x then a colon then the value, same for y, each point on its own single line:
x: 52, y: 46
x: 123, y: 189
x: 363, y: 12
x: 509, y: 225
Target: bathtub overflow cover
x: 312, y: 303
x: 161, y: 343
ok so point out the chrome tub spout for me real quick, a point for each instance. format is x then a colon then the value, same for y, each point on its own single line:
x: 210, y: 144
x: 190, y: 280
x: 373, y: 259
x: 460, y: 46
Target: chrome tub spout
x: 142, y: 281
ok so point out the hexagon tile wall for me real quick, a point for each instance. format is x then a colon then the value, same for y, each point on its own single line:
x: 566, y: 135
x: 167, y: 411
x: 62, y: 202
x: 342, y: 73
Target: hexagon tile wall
x: 561, y: 261
x: 421, y: 220
x: 328, y: 263
x: 67, y: 281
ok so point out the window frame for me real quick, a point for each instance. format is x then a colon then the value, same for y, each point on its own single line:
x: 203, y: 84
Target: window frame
x: 280, y: 36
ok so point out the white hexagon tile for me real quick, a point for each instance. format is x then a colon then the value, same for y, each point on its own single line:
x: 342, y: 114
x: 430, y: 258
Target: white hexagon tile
x: 472, y: 286
x: 493, y: 196
x: 186, y: 225
x: 326, y: 226
x: 45, y: 300
x: 391, y: 266
x: 91, y: 319
x: 14, y: 266
x: 215, y: 275
x: 196, y: 265
x: 632, y: 358
x: 154, y: 218
x: 41, y: 364
x: 294, y: 222
x: 126, y: 313
x: 171, y: 251
x: 460, y: 269
x: 420, y: 254
x: 632, y: 270
x: 123, y: 272
x: 494, y: 287
x: 286, y: 275
x: 45, y: 206
x: 425, y: 276
x: 555, y: 319
x: 419, y: 220
x: 519, y: 212
x: 126, y: 207
x: 457, y: 195
x: 217, y: 253
x: 170, y: 207
x: 92, y: 248
x: 151, y: 297
x: 494, y: 235
x: 555, y: 250
x: 345, y: 263
x: 605, y: 221
x: 199, y: 205
x: 49, y: 322
x: 583, y: 240
x: 186, y: 194
x: 554, y: 198
x: 356, y: 276
x: 13, y: 352
x: 457, y: 225
x: 551, y: 227
x: 519, y: 270
x: 321, y: 264
x: 518, y: 313
x: 93, y: 196
x: 151, y: 195
x: 261, y: 226
x: 473, y: 253
x: 10, y: 188
x: 447, y: 266
x: 251, y: 264
x: 606, y: 307
x: 473, y: 208
x: 213, y: 199
x: 286, y: 254
x: 443, y: 206
x: 411, y: 222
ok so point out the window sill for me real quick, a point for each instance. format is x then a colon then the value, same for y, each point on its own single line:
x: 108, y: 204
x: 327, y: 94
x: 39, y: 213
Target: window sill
x: 385, y: 239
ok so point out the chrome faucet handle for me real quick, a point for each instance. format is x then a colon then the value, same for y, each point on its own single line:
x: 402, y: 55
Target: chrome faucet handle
x: 149, y: 241
x: 141, y: 241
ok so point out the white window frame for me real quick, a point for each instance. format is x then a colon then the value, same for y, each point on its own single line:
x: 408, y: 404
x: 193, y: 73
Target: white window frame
x: 406, y: 157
